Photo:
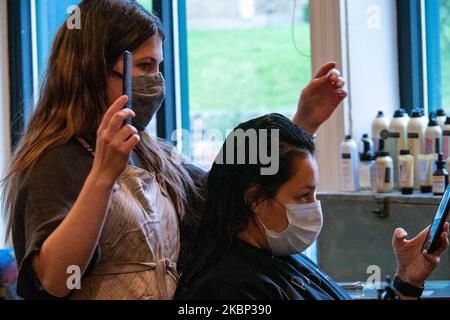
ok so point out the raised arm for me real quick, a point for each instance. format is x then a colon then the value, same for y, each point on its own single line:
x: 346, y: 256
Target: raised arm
x: 320, y: 98
x: 73, y: 242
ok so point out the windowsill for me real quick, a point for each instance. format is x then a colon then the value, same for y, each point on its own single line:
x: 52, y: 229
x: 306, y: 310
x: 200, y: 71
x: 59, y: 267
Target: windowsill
x: 416, y: 198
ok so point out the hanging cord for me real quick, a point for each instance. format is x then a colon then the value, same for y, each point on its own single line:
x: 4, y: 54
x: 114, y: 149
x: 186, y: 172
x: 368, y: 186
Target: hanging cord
x: 297, y: 48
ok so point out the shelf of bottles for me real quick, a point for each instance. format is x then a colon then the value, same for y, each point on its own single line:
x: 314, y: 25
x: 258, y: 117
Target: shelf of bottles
x: 407, y: 154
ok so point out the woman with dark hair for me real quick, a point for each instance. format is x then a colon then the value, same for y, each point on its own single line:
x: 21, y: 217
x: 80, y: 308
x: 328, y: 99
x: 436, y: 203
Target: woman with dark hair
x: 95, y: 207
x: 256, y: 226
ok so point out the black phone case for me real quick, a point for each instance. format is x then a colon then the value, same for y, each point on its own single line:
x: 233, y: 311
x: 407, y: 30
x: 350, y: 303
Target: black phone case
x: 127, y: 80
x: 433, y: 244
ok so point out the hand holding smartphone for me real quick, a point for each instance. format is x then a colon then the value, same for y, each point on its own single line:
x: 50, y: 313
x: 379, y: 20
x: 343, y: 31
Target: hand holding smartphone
x: 432, y: 241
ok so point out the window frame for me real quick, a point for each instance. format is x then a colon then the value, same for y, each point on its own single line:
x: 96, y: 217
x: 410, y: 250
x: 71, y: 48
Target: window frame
x: 420, y: 70
x: 433, y: 54
x: 410, y: 54
x: 20, y: 66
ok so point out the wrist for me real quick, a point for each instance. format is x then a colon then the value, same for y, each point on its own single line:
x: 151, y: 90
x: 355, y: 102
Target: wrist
x: 406, y: 288
x: 304, y: 125
x: 100, y: 180
x: 405, y: 278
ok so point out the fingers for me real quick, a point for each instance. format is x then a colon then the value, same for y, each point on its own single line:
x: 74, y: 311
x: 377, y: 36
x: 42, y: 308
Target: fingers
x: 443, y: 245
x: 431, y: 258
x: 334, y: 74
x: 325, y: 69
x: 339, y: 83
x: 333, y: 78
x: 342, y: 94
x: 115, y: 107
x: 399, y: 237
x: 117, y: 120
x: 124, y: 134
x: 129, y: 145
x: 421, y: 237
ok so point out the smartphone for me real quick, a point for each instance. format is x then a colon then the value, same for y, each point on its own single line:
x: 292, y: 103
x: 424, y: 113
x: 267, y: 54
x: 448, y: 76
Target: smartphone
x: 127, y: 80
x: 434, y: 234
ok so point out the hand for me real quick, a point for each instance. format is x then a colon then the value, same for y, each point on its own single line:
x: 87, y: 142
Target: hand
x: 320, y: 98
x: 115, y: 142
x: 415, y: 266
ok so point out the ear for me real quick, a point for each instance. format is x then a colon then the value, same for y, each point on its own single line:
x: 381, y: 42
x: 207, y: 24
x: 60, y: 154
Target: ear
x: 250, y: 195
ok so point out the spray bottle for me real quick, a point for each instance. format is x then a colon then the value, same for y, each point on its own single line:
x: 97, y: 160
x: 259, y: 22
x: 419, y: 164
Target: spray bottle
x: 367, y: 166
x: 380, y: 129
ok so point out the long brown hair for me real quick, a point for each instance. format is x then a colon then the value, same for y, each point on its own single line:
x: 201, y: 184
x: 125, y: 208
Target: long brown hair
x: 73, y: 97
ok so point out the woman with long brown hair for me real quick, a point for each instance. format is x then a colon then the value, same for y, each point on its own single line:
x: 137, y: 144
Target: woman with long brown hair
x: 86, y: 194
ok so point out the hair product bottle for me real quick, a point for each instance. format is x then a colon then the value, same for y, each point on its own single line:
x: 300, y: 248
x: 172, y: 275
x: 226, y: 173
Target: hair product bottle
x: 406, y: 172
x: 384, y: 170
x: 446, y: 139
x: 367, y: 166
x: 349, y: 165
x: 380, y: 129
x: 416, y: 142
x: 397, y: 138
x: 441, y: 117
x: 426, y: 172
x: 440, y: 177
x: 433, y: 133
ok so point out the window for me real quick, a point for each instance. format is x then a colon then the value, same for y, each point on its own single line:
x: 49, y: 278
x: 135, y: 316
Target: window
x: 246, y: 58
x: 50, y: 15
x: 445, y: 52
x: 424, y: 49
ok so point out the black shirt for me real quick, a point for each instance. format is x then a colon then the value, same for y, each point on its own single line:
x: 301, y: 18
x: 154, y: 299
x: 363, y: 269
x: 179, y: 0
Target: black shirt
x: 46, y: 194
x: 245, y: 272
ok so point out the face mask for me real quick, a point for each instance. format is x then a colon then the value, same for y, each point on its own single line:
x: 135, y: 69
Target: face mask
x: 148, y: 96
x: 305, y: 224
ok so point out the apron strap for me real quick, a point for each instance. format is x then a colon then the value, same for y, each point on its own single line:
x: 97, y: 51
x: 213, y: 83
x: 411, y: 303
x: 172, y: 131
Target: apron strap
x: 86, y: 145
x: 162, y: 268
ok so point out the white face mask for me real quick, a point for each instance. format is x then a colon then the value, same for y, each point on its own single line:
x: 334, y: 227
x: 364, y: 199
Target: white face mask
x: 305, y: 224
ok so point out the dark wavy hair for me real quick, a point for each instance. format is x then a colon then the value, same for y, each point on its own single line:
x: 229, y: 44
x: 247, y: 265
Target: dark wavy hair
x: 227, y: 210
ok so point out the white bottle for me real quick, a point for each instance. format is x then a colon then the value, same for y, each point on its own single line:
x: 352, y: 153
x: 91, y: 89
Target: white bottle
x: 441, y: 118
x: 416, y: 142
x: 380, y: 129
x: 406, y: 172
x: 446, y: 139
x: 384, y: 170
x: 398, y: 132
x: 433, y: 136
x: 349, y: 165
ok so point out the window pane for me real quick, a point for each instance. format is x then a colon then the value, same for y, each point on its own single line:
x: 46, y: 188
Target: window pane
x: 246, y: 58
x: 50, y: 15
x: 147, y: 4
x: 445, y: 52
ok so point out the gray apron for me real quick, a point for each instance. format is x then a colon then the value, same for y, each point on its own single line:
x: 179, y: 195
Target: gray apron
x: 139, y: 243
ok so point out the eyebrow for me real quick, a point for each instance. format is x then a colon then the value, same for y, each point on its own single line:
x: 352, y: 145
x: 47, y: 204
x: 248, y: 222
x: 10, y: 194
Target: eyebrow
x: 148, y: 58
x: 310, y: 187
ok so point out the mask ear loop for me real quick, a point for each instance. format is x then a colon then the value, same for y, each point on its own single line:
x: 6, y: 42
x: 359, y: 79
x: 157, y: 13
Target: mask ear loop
x: 263, y: 234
